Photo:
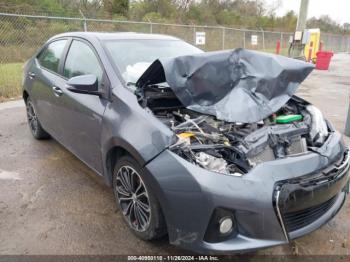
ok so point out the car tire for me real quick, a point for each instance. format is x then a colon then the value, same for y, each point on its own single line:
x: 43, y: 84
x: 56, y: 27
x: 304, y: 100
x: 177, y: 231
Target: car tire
x: 137, y: 203
x: 33, y: 121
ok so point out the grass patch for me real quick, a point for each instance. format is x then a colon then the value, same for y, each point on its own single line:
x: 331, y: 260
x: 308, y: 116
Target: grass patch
x: 10, y: 80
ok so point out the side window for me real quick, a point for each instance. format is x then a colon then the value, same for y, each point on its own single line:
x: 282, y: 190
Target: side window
x: 50, y: 57
x: 81, y: 60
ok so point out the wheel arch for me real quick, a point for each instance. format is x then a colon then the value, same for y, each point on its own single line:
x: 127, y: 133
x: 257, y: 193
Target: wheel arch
x: 118, y: 151
x: 115, y: 151
x: 25, y: 96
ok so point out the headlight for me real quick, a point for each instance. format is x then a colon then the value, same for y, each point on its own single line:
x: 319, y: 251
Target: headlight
x: 319, y: 130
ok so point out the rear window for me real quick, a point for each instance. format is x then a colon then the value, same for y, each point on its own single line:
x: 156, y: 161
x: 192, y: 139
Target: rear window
x: 50, y: 57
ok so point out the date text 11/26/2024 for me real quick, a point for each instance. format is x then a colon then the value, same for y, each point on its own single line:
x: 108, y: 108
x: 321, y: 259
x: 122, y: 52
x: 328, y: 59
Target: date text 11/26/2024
x: 173, y: 258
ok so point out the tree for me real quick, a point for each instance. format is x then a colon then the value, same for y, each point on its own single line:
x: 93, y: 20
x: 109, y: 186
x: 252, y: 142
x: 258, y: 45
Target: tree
x: 90, y: 8
x: 325, y: 23
x: 120, y: 7
x: 346, y: 27
x: 254, y: 14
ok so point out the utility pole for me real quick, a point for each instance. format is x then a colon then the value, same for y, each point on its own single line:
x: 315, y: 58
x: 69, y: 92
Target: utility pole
x: 301, y: 24
x: 297, y: 47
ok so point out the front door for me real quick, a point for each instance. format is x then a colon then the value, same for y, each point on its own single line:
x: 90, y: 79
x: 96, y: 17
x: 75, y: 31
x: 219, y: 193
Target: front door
x: 80, y: 115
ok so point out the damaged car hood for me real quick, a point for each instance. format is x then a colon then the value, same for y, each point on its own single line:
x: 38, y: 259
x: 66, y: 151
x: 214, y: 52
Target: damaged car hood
x: 234, y: 85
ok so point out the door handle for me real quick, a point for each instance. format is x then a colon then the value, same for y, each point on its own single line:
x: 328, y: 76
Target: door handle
x: 31, y: 75
x: 57, y: 91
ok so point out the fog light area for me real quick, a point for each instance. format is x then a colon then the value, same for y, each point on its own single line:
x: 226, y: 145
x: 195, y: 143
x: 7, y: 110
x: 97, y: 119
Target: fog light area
x: 226, y: 224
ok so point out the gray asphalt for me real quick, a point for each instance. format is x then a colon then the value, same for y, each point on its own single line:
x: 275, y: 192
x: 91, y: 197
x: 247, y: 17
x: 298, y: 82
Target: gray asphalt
x: 51, y: 203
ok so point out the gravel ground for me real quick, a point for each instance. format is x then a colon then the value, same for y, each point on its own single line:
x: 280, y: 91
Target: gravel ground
x: 51, y: 203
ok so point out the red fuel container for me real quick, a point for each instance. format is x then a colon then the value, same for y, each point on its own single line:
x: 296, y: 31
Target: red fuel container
x: 323, y: 60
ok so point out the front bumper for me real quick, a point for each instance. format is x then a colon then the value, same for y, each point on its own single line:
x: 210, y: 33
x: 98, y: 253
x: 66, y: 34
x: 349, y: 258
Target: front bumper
x: 303, y: 204
x: 189, y: 195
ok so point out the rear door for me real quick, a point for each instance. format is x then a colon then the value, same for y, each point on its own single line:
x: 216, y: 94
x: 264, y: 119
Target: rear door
x: 43, y: 75
x: 80, y: 115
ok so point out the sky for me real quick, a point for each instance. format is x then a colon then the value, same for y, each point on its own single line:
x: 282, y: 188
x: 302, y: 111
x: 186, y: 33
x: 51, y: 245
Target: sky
x: 338, y: 10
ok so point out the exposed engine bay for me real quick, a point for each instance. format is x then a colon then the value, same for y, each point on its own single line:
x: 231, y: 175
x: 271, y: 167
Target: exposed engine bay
x: 235, y: 148
x: 229, y: 110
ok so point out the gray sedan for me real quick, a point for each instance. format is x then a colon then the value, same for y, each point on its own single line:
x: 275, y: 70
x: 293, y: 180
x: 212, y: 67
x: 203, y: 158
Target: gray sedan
x: 212, y: 149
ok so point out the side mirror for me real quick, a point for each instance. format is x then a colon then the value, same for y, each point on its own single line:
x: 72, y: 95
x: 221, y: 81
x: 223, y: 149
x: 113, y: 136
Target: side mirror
x: 84, y: 84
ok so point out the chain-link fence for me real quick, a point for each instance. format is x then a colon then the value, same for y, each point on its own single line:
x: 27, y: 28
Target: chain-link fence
x: 22, y: 35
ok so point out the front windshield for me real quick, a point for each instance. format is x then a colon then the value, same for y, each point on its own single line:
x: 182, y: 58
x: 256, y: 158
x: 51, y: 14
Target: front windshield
x: 132, y: 57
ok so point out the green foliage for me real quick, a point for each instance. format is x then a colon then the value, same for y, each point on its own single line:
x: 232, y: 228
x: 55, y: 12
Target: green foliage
x: 326, y: 24
x: 288, y: 21
x: 199, y: 14
x: 30, y: 6
x: 119, y: 17
x: 228, y: 17
x: 252, y: 14
x: 153, y: 17
x: 120, y: 7
x: 10, y: 86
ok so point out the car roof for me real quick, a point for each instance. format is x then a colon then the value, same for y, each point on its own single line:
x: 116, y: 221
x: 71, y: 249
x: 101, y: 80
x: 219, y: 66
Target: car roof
x: 115, y: 35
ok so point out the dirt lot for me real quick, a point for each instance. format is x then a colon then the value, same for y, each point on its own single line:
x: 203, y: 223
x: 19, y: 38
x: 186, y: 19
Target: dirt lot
x: 51, y: 203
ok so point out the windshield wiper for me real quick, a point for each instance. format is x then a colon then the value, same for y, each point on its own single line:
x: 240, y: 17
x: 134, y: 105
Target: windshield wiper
x: 130, y: 84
